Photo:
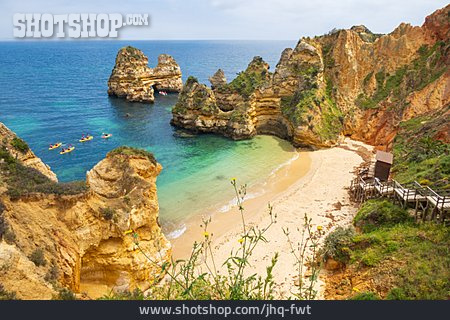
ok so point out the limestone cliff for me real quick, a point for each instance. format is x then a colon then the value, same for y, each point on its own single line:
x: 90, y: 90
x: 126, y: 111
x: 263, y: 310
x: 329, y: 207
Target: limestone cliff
x: 20, y: 150
x: 84, y: 240
x: 133, y: 80
x: 348, y: 82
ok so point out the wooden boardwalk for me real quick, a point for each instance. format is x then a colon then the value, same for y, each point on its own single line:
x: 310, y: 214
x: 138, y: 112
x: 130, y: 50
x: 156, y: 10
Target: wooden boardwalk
x: 429, y: 204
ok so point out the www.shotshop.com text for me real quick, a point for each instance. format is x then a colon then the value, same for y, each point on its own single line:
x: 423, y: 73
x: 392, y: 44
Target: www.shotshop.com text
x: 265, y: 310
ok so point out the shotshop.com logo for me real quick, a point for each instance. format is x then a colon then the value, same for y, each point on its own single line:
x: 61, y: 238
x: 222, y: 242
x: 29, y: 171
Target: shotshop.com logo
x: 74, y: 25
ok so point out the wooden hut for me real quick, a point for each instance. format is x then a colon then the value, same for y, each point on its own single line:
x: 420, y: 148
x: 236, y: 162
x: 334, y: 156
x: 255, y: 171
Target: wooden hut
x: 383, y: 165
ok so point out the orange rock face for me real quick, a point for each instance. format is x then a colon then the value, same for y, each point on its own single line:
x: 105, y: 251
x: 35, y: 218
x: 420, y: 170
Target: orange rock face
x: 348, y: 82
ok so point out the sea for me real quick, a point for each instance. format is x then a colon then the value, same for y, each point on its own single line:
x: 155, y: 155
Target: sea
x: 55, y: 91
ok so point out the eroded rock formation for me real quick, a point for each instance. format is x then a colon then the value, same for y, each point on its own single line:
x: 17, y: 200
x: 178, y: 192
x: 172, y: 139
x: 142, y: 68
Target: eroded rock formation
x: 349, y: 82
x: 133, y: 80
x: 20, y: 150
x: 87, y: 240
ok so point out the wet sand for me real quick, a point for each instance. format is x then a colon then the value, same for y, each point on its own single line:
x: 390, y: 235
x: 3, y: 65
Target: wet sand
x: 315, y: 184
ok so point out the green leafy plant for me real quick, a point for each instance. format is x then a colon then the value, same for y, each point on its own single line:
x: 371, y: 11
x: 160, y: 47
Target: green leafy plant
x: 337, y: 244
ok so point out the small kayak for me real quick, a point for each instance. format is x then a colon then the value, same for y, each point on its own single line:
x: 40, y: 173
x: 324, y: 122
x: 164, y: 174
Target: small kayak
x: 106, y: 136
x: 67, y: 150
x: 86, y: 139
x: 55, y: 146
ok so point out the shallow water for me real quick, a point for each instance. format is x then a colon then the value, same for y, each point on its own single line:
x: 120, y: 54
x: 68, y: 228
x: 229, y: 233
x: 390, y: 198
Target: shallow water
x: 56, y: 91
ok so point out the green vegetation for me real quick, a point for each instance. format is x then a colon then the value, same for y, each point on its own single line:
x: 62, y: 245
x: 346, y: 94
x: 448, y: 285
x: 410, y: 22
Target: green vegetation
x: 38, y: 258
x: 130, y: 151
x: 20, y: 145
x: 418, y: 155
x: 52, y: 274
x: 337, y: 244
x: 65, y: 294
x: 22, y: 180
x: 365, y: 296
x: 247, y: 81
x: 328, y: 60
x: 190, y: 81
x: 374, y: 214
x: 133, y: 52
x: 300, y: 108
x: 416, y: 256
x: 296, y: 107
x: 6, y: 295
x: 426, y: 68
x: 332, y: 118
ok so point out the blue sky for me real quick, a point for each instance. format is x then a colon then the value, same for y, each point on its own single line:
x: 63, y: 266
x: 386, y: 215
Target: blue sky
x: 235, y: 19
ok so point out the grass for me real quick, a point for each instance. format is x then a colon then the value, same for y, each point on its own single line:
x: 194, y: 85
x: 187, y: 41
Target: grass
x: 374, y: 214
x: 423, y: 251
x: 420, y: 157
x: 130, y: 151
x: 416, y: 255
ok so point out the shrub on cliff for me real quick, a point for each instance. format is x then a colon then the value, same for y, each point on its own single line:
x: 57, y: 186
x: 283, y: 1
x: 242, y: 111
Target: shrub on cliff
x: 6, y: 295
x: 108, y: 213
x: 22, y: 180
x: 65, y: 294
x: 376, y: 213
x: 38, y: 258
x: 338, y: 243
x: 20, y: 145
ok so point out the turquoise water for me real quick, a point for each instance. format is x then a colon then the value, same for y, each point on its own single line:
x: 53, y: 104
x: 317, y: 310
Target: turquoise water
x: 56, y: 91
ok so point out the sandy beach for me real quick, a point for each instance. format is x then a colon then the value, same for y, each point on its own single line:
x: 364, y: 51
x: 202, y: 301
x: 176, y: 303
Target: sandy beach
x: 315, y: 184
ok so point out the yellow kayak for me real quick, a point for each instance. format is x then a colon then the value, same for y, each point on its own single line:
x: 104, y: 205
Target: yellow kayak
x: 86, y: 139
x: 55, y: 146
x: 67, y: 150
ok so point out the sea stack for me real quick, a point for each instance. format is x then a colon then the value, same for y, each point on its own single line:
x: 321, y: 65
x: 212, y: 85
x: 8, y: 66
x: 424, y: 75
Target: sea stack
x: 132, y: 79
x: 218, y: 79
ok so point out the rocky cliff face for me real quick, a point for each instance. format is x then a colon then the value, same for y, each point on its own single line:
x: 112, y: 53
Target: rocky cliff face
x: 85, y: 241
x: 133, y: 80
x: 20, y: 150
x: 348, y: 82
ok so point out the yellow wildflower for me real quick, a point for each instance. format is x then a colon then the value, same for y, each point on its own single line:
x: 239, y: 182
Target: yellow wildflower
x: 319, y: 228
x: 206, y: 234
x: 241, y: 240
